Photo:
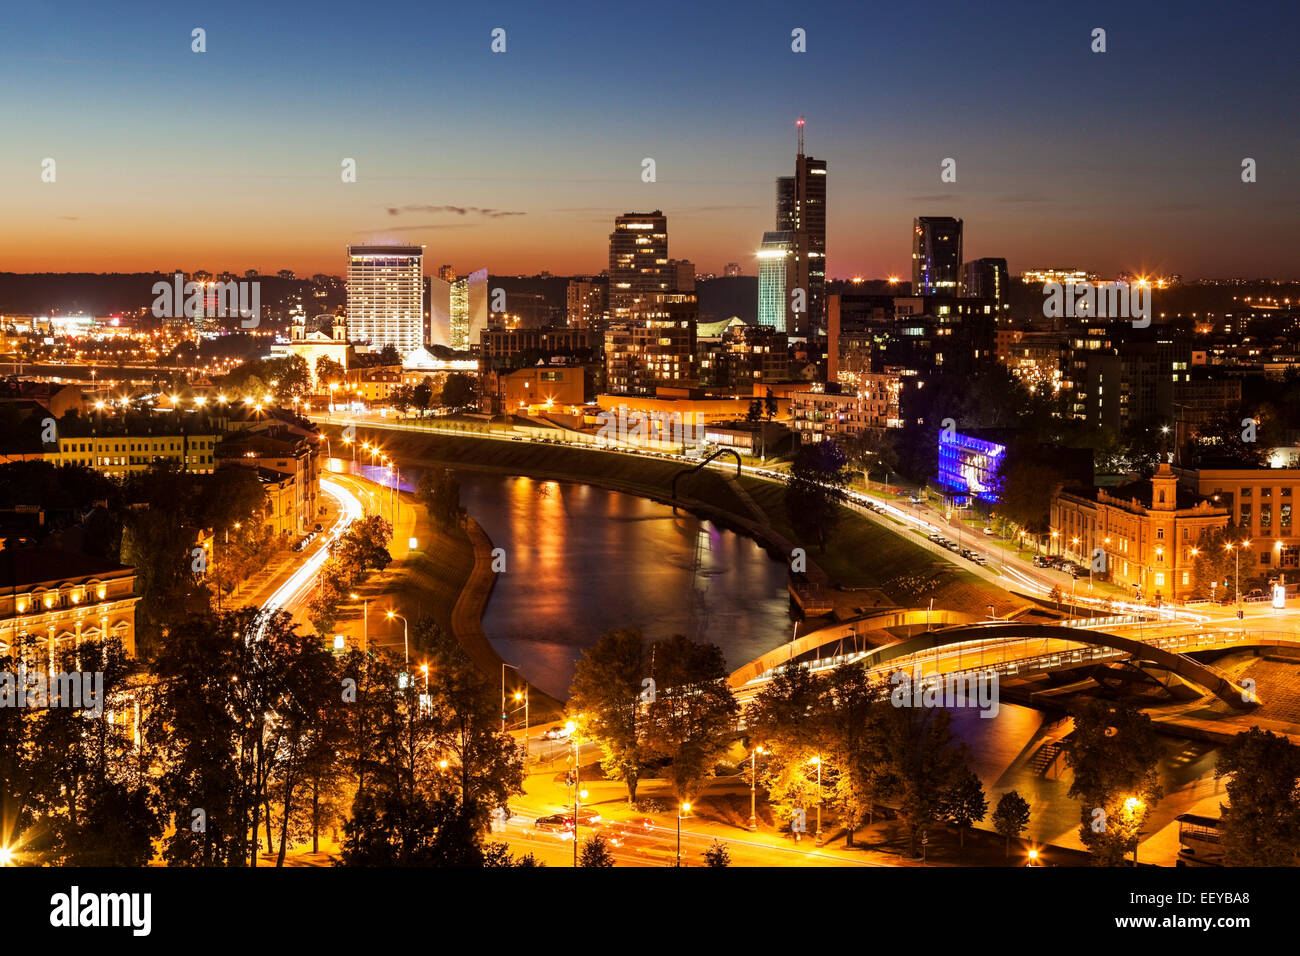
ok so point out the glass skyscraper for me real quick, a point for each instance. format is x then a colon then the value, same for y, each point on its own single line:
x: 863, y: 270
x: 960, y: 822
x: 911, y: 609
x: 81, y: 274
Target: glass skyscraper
x: 936, y: 255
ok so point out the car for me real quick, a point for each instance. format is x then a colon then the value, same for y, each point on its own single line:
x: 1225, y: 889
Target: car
x: 980, y: 559
x: 916, y: 500
x: 990, y: 532
x: 586, y: 816
x: 1042, y: 562
x: 556, y: 822
x: 557, y: 733
x: 1256, y: 594
x: 319, y: 527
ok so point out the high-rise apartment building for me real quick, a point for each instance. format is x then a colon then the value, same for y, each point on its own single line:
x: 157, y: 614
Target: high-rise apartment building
x: 936, y: 255
x: 386, y: 296
x: 638, y: 260
x: 732, y: 270
x: 586, y: 304
x: 656, y: 347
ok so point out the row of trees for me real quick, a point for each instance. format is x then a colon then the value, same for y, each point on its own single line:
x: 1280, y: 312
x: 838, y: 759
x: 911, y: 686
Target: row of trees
x: 243, y: 733
x: 361, y: 549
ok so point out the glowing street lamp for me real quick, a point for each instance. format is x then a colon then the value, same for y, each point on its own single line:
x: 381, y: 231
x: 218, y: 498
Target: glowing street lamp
x: 684, y: 809
x: 406, y: 646
x: 753, y: 787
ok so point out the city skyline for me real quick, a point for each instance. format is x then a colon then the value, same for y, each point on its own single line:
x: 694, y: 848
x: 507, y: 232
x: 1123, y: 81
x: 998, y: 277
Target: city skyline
x: 485, y: 167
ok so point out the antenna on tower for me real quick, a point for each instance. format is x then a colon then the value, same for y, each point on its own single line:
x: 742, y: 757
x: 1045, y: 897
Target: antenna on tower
x: 799, y: 123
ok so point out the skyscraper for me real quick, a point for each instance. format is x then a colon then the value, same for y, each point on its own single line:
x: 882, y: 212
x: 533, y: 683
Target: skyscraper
x: 469, y: 309
x: 638, y: 260
x: 936, y: 255
x: 986, y: 279
x: 777, y: 273
x: 801, y: 211
x: 386, y: 295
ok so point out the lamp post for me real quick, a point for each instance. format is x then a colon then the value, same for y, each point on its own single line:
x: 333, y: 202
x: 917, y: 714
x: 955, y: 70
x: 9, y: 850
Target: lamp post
x: 573, y: 738
x: 406, y: 644
x: 684, y: 809
x: 753, y: 787
x: 817, y: 762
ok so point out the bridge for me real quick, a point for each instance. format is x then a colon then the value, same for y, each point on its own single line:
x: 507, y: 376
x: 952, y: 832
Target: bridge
x: 1011, y: 649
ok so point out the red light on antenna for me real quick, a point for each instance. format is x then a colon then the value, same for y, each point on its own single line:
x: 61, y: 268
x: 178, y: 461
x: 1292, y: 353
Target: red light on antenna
x: 799, y: 122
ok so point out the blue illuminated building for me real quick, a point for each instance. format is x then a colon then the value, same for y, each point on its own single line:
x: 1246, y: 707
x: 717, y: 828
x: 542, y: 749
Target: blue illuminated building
x: 969, y: 465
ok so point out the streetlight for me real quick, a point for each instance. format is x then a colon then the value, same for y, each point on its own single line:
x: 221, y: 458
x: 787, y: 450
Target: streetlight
x: 1033, y: 858
x: 753, y: 787
x: 684, y: 809
x: 572, y: 729
x: 406, y: 644
x: 1131, y: 807
x: 817, y: 762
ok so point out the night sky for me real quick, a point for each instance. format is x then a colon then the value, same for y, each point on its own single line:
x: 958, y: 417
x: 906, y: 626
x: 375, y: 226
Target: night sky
x: 230, y: 158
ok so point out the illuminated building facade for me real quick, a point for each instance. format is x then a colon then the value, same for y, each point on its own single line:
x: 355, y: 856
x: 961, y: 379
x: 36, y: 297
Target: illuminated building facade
x: 386, y: 295
x: 638, y: 260
x: 970, y: 465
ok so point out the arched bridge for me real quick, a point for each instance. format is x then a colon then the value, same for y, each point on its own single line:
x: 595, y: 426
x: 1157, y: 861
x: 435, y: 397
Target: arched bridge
x: 1014, y: 649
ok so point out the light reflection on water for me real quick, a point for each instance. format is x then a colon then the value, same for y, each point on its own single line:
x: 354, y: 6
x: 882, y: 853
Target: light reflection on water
x: 582, y: 561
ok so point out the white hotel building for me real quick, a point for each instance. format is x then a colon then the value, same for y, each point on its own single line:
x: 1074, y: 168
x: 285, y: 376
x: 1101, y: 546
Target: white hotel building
x: 386, y: 296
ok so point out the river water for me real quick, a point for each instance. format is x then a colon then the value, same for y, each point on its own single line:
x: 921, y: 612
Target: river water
x: 581, y: 561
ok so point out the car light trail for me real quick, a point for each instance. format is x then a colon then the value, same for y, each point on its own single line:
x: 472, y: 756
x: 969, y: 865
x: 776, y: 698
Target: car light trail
x: 289, y: 592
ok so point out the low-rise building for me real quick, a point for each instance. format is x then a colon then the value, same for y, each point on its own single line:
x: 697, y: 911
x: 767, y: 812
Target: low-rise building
x: 122, y: 454
x: 284, y: 453
x: 1145, y: 531
x: 61, y: 598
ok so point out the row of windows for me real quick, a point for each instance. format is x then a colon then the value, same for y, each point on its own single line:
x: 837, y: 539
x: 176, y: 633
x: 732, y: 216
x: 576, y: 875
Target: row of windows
x: 159, y: 445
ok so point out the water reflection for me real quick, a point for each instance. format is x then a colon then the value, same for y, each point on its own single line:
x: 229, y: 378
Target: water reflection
x: 582, y: 561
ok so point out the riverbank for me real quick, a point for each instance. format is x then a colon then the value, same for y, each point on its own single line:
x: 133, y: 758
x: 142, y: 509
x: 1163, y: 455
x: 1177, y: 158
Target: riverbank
x: 863, y: 557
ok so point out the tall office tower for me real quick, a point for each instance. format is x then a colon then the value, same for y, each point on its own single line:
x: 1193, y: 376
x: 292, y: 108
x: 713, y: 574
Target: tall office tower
x: 732, y: 271
x: 936, y: 255
x: 386, y: 296
x: 469, y: 309
x: 801, y: 210
x: 447, y: 274
x: 986, y: 279
x: 777, y: 274
x: 638, y: 260
x: 586, y: 304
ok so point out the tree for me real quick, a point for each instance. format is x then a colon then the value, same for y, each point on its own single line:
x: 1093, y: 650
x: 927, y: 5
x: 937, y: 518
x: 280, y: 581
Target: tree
x: 717, y: 855
x: 458, y: 391
x: 923, y: 760
x: 817, y: 479
x: 362, y: 548
x: 439, y: 492
x: 755, y: 411
x: 1011, y: 816
x: 328, y: 371
x: 691, y: 721
x: 1260, y: 825
x: 1113, y: 753
x: 497, y: 854
x: 769, y: 405
x: 607, y: 690
x: 1219, y: 553
x: 789, y: 718
x: 1027, y: 481
x: 963, y: 803
x: 595, y: 852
